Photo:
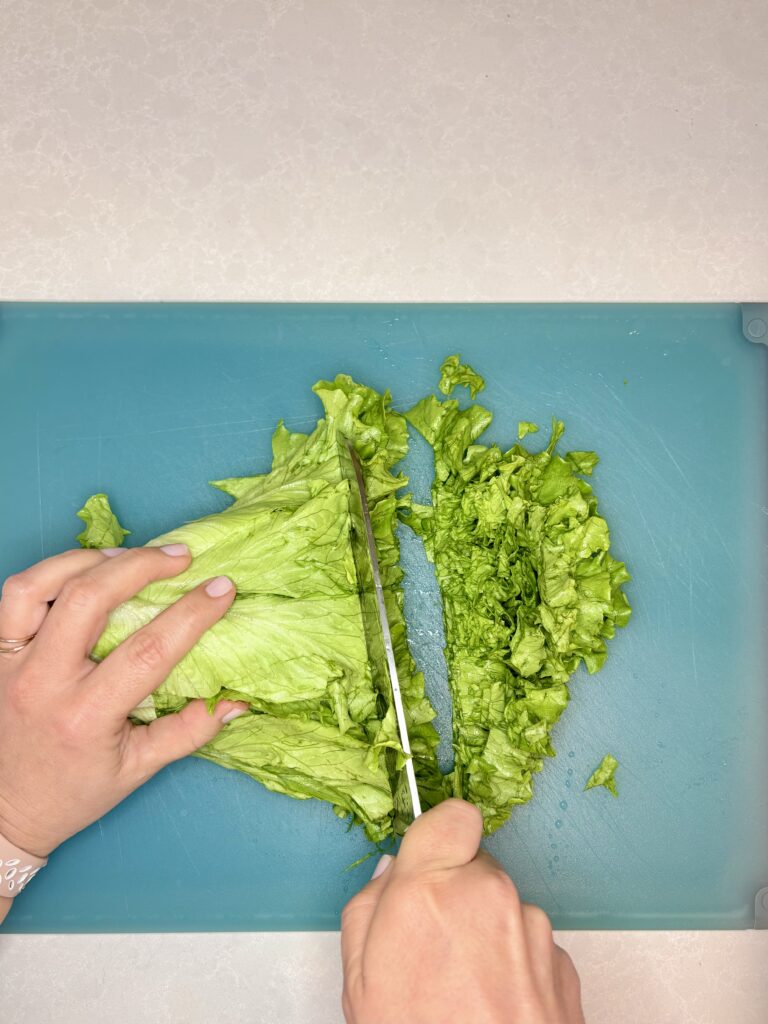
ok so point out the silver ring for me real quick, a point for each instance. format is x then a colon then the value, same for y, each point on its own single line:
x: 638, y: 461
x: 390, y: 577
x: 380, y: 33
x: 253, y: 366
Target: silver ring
x: 13, y: 646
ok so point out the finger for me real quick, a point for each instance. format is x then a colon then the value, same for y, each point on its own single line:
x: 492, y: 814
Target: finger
x: 80, y: 613
x: 357, y: 915
x: 140, y: 663
x: 569, y: 985
x: 447, y: 836
x: 24, y: 604
x: 541, y: 945
x: 178, y: 735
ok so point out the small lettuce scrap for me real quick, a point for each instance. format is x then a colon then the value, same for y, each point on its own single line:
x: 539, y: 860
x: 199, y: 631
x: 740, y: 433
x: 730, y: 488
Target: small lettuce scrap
x: 454, y: 373
x: 530, y: 591
x: 604, y: 775
x: 525, y: 427
x: 102, y: 529
x: 294, y: 644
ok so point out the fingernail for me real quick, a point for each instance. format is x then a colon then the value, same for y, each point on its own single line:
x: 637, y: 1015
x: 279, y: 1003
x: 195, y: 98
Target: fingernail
x: 176, y: 550
x: 382, y: 866
x: 111, y: 552
x: 232, y: 715
x: 219, y: 586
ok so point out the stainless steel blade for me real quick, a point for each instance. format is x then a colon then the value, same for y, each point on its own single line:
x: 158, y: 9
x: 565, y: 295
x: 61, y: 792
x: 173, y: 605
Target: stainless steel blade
x: 397, y: 698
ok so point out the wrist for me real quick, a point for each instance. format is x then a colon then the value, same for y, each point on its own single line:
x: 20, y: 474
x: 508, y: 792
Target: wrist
x: 23, y: 837
x: 18, y: 866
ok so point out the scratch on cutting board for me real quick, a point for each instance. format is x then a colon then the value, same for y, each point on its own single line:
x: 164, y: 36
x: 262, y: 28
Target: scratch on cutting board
x: 691, y: 621
x: 674, y: 461
x: 122, y: 870
x: 657, y: 792
x: 170, y: 816
x: 608, y: 869
x: 244, y: 819
x: 307, y: 421
x: 39, y: 485
x: 630, y: 848
x: 648, y: 530
x: 541, y: 874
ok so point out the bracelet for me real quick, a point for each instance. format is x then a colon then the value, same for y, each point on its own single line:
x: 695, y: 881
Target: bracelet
x: 17, y: 868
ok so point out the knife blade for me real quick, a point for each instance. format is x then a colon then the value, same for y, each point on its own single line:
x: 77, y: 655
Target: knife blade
x: 386, y: 635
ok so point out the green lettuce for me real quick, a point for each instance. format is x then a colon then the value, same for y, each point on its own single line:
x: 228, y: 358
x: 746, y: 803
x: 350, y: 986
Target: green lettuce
x: 295, y: 643
x: 102, y: 529
x: 604, y: 775
x: 529, y: 590
x: 454, y: 373
x: 525, y: 427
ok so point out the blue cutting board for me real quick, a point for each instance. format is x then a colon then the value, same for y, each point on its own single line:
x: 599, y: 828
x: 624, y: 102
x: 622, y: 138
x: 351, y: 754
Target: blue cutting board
x: 148, y: 402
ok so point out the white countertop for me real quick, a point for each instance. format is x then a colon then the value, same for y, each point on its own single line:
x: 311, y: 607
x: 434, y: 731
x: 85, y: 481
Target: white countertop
x: 413, y: 150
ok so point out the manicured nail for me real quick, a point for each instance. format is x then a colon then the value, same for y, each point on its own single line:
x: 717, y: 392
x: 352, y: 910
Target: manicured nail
x: 382, y: 866
x: 176, y: 550
x: 219, y: 586
x: 111, y: 552
x: 232, y: 715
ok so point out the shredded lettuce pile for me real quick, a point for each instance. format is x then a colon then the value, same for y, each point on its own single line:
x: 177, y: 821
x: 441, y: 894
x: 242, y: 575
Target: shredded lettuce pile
x: 528, y: 586
x: 529, y: 592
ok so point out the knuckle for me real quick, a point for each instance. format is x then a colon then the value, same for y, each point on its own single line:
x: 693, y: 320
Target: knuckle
x: 21, y: 695
x: 350, y: 910
x: 80, y: 592
x: 500, y: 889
x: 351, y: 999
x: 73, y: 729
x: 567, y: 969
x: 537, y: 921
x: 17, y: 586
x: 147, y: 651
x: 194, y: 731
x: 346, y: 1004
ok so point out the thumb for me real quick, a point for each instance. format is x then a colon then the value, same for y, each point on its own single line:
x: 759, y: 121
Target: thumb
x: 177, y: 735
x: 448, y: 836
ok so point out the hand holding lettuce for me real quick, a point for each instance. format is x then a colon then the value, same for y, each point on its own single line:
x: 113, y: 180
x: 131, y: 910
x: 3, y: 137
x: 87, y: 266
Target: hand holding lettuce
x: 293, y: 645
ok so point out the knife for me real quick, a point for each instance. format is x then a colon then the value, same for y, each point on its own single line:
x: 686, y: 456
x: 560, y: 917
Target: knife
x: 386, y: 635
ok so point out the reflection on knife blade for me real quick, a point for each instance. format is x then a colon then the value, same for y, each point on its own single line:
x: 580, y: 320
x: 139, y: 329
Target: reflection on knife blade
x: 383, y: 622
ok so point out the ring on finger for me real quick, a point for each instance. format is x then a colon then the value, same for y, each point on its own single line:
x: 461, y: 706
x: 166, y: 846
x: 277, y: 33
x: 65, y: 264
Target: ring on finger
x: 12, y: 646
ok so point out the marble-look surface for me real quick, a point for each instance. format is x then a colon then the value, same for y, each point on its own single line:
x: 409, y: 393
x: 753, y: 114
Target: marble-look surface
x: 346, y: 149
x: 294, y: 978
x: 352, y: 149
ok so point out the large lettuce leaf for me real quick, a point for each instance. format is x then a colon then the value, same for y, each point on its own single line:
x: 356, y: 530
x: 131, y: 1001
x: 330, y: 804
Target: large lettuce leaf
x: 529, y: 589
x: 295, y: 644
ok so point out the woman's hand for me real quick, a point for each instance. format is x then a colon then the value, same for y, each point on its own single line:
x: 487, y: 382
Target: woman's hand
x: 67, y: 750
x: 440, y: 934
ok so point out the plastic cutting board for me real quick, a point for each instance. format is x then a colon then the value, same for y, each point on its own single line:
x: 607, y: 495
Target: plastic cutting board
x: 149, y: 402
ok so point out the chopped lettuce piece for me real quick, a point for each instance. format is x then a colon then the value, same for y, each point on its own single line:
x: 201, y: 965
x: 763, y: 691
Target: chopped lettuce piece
x: 102, y: 530
x: 454, y: 373
x: 604, y: 775
x: 525, y: 427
